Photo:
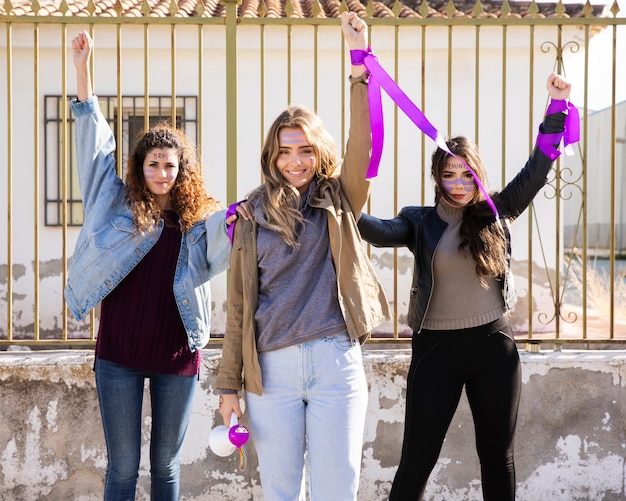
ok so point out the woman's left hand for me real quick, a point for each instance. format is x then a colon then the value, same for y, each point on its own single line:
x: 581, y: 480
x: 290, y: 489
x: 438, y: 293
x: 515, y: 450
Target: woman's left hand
x: 558, y: 87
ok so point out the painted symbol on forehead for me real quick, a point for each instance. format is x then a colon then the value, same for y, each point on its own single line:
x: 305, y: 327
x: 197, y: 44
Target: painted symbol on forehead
x: 292, y: 137
x: 456, y: 166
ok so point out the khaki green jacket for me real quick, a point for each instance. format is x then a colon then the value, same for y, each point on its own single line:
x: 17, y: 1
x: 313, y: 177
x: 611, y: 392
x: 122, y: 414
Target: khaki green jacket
x: 361, y: 295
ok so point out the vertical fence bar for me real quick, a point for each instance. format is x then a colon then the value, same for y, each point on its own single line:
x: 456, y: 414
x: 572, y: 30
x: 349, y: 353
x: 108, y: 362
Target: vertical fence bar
x: 146, y: 76
x: 613, y: 189
x: 200, y: 139
x: 289, y: 64
x: 423, y: 107
x: 36, y: 119
x: 477, y: 83
x: 396, y: 284
x: 585, y: 138
x: 173, y: 69
x: 449, y: 63
x: 231, y: 99
x: 504, y: 82
x: 262, y: 84
x: 119, y: 151
x: 316, y: 63
x: 92, y: 72
x: 65, y: 192
x: 557, y: 201
x: 531, y: 209
x: 9, y: 79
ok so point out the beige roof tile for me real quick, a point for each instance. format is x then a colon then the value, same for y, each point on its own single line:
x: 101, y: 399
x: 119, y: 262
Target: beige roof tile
x: 299, y: 8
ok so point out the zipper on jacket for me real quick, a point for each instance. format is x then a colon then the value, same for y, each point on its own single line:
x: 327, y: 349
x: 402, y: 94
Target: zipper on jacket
x: 432, y: 285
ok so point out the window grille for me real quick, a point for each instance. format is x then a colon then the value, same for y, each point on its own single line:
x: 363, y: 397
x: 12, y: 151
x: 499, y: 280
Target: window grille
x: 132, y: 114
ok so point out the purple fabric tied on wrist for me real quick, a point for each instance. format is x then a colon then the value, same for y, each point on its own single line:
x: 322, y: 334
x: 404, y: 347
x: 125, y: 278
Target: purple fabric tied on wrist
x: 570, y: 134
x: 358, y: 56
x: 232, y: 210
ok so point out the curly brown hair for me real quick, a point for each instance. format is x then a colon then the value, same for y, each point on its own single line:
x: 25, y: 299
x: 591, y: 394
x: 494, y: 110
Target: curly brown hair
x: 189, y: 198
x: 480, y: 232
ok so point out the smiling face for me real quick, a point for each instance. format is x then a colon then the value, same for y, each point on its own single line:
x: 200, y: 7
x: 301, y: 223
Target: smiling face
x: 296, y: 158
x: 457, y: 182
x: 160, y: 169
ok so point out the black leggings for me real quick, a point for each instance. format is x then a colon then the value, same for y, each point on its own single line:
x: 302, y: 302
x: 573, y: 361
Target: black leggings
x: 485, y: 361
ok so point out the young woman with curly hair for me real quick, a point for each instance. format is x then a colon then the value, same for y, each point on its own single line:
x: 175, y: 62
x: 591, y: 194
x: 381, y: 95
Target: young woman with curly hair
x: 147, y: 251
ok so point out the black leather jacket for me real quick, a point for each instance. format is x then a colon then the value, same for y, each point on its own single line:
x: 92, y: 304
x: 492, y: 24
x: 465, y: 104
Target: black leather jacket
x: 420, y: 228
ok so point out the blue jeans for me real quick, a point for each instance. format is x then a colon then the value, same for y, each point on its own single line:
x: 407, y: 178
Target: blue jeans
x: 314, y: 401
x: 120, y: 394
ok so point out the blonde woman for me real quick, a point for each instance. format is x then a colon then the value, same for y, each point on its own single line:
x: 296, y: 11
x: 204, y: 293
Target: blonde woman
x: 302, y: 297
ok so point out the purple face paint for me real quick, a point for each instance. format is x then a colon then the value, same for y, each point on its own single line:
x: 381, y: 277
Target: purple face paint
x: 150, y: 172
x: 292, y: 137
x: 467, y: 184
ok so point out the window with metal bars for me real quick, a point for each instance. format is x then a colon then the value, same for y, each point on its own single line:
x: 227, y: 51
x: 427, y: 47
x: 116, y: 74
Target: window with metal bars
x: 60, y: 175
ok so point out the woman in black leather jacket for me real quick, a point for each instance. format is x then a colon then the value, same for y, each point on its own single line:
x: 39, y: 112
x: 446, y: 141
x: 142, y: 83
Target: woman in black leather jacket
x: 459, y: 245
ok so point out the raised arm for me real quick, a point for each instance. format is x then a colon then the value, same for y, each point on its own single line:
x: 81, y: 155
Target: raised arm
x: 95, y: 143
x: 355, y: 32
x: 356, y: 159
x: 81, y: 49
x: 519, y: 192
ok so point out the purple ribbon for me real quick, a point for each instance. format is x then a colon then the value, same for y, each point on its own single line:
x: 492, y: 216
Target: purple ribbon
x: 379, y: 78
x: 570, y: 134
x: 232, y: 209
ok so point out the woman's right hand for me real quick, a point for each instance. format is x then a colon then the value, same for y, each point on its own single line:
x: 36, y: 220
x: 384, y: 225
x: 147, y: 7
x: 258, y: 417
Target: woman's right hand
x: 354, y: 30
x: 81, y: 51
x: 81, y: 48
x: 229, y: 403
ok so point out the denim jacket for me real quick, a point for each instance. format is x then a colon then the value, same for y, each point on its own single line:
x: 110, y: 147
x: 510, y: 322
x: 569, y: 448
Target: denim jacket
x: 109, y: 246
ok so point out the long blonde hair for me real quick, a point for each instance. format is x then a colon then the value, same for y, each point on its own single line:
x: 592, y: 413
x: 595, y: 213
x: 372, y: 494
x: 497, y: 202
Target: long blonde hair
x: 480, y: 232
x: 189, y: 198
x: 280, y: 202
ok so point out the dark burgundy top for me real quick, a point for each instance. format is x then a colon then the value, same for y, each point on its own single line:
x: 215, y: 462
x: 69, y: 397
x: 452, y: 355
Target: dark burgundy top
x: 140, y: 326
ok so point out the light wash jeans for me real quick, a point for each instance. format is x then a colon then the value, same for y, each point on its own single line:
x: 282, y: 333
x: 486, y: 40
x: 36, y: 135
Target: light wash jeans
x: 314, y: 401
x: 120, y: 393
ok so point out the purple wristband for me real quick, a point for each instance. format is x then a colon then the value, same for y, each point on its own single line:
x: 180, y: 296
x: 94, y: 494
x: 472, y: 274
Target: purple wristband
x: 570, y: 135
x: 557, y: 106
x: 357, y: 57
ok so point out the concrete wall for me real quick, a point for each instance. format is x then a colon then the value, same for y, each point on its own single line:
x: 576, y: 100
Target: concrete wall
x: 570, y: 440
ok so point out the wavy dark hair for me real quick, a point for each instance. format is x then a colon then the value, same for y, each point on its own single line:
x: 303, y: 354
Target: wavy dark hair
x: 189, y: 197
x: 480, y: 232
x: 280, y: 201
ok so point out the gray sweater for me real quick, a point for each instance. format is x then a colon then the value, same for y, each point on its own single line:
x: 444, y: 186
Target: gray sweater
x: 297, y: 286
x: 459, y: 300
